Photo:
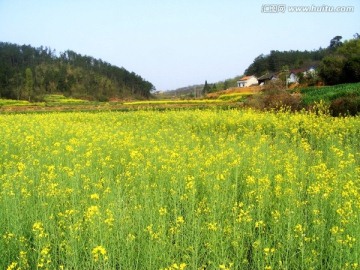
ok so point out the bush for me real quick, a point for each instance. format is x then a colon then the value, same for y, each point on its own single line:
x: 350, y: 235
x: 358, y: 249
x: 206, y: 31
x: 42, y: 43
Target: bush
x: 282, y: 98
x: 349, y: 105
x: 274, y: 96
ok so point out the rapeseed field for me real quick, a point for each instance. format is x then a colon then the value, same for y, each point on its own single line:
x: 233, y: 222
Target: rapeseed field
x: 201, y: 189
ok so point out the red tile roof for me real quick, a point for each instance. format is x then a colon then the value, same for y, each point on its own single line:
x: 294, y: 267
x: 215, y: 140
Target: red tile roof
x: 299, y: 70
x: 245, y: 78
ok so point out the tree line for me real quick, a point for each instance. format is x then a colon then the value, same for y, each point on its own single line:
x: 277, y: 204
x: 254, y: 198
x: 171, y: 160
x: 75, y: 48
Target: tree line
x: 31, y: 73
x: 274, y: 61
x: 338, y: 63
x: 342, y: 64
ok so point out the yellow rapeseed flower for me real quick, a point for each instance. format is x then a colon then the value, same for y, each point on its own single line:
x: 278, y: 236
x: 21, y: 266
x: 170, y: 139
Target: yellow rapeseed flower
x: 95, y: 196
x: 98, y: 253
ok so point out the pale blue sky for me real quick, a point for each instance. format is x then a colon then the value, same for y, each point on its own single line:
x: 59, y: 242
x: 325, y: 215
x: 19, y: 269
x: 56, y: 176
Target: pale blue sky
x: 173, y: 43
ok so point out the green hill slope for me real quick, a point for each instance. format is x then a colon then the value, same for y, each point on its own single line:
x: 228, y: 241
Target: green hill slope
x: 29, y: 73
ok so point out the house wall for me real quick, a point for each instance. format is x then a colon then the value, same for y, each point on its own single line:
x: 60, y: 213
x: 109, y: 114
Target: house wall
x: 292, y: 78
x: 247, y: 83
x: 251, y: 81
x: 240, y: 83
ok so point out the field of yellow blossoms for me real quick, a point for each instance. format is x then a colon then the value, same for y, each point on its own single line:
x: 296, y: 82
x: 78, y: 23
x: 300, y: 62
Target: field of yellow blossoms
x: 200, y: 189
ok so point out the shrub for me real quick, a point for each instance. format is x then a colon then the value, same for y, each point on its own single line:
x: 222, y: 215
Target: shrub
x: 349, y: 105
x: 275, y: 96
x: 281, y: 99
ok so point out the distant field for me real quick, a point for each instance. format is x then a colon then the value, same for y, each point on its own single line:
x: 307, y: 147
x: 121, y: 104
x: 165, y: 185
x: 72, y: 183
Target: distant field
x: 53, y: 100
x: 10, y: 102
x: 179, y: 189
x: 329, y: 93
x: 235, y: 90
x: 57, y: 102
x: 169, y: 101
x: 49, y: 100
x: 233, y: 97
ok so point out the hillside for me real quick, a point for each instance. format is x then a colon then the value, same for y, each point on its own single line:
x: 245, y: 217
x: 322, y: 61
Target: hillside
x: 28, y: 73
x: 273, y: 62
x: 336, y: 64
x: 197, y: 90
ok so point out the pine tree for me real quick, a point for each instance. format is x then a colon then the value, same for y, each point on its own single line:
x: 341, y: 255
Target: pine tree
x: 29, y: 83
x: 206, y: 88
x: 214, y: 88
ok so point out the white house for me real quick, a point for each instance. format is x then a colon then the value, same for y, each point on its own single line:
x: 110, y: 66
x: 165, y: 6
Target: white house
x: 247, y: 81
x: 293, y: 77
x: 294, y: 74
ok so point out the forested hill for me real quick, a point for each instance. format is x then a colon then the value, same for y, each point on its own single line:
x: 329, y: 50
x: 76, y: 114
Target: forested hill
x: 276, y: 60
x: 336, y: 64
x: 30, y: 73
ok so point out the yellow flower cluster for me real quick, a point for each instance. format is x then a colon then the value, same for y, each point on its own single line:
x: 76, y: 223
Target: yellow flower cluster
x: 99, y: 253
x: 194, y: 189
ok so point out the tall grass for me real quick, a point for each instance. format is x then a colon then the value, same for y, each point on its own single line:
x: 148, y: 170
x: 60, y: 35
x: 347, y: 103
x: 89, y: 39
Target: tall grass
x: 179, y: 190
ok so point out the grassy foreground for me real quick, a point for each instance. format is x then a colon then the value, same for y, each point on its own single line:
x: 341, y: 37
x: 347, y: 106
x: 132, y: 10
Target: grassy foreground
x: 179, y: 190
